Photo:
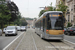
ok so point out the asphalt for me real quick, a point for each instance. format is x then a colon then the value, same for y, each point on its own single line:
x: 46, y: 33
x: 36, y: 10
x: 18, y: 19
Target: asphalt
x: 4, y: 41
x: 31, y: 41
x: 70, y: 38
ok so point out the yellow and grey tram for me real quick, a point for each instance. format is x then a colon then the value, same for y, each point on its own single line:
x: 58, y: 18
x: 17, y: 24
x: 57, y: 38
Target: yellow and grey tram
x: 50, y: 25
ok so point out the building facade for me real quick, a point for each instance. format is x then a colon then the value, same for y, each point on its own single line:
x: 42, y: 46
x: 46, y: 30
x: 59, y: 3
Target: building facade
x: 33, y: 22
x: 14, y: 11
x: 8, y: 0
x: 58, y: 2
x: 70, y: 14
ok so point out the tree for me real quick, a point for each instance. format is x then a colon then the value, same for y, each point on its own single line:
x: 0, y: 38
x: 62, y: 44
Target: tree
x: 50, y: 8
x: 23, y: 21
x: 4, y: 13
x: 14, y: 11
x: 62, y: 7
x: 41, y: 12
x: 69, y: 24
x: 17, y: 21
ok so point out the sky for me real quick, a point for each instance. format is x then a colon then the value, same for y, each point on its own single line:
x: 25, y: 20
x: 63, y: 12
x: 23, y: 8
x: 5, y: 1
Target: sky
x: 31, y: 8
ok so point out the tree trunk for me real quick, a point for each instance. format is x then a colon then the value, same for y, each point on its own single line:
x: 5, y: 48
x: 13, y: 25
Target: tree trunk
x: 2, y: 26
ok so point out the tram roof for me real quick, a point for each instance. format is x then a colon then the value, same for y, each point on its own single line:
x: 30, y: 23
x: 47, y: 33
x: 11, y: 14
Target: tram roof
x: 53, y: 11
x: 44, y: 14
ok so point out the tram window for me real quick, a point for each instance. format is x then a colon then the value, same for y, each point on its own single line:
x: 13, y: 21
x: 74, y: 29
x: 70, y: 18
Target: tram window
x: 55, y: 23
x: 48, y: 23
x: 43, y: 24
x: 39, y: 24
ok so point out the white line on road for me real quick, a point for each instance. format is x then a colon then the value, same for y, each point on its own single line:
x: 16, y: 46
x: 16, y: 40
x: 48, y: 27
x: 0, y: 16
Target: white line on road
x: 34, y: 42
x: 19, y: 42
x: 69, y: 41
x: 12, y: 41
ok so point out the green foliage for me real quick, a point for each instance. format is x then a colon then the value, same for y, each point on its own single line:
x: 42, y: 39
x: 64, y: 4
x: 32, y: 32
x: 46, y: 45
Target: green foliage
x: 69, y: 24
x: 62, y: 7
x: 23, y: 21
x: 29, y: 18
x: 50, y: 8
x: 41, y: 12
x: 17, y: 21
x: 4, y: 13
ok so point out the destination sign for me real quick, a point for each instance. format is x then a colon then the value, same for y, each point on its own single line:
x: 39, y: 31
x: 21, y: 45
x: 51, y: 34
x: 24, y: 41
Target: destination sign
x: 55, y: 15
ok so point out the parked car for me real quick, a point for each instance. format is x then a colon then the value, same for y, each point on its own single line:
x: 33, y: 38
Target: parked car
x: 0, y: 32
x: 23, y: 28
x: 11, y: 30
x: 65, y: 31
x: 71, y: 31
x: 18, y: 28
x: 4, y: 30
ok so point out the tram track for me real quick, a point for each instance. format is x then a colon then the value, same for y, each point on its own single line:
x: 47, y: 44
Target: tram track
x: 19, y: 42
x: 29, y: 42
x: 54, y: 46
x: 62, y: 45
x: 68, y: 44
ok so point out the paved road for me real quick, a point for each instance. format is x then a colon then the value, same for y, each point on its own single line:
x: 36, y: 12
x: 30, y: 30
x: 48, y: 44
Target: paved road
x: 4, y: 41
x: 70, y: 38
x: 31, y: 41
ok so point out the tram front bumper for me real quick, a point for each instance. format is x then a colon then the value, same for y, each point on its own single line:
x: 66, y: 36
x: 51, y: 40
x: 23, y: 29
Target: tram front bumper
x: 54, y: 37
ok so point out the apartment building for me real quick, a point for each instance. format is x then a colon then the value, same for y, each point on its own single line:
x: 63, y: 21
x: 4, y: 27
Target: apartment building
x: 8, y: 0
x: 70, y: 14
x: 58, y: 2
x: 33, y: 22
x: 13, y: 9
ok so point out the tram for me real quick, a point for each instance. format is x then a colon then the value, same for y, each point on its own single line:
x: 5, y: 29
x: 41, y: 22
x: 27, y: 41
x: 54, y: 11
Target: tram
x: 50, y: 25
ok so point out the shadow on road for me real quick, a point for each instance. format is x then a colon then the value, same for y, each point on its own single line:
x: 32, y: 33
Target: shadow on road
x: 11, y: 35
x: 52, y: 40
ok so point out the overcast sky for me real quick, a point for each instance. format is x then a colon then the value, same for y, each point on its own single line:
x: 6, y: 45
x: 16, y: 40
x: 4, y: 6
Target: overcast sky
x: 30, y: 8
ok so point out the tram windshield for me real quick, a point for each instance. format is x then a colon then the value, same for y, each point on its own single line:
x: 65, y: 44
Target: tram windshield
x: 55, y: 23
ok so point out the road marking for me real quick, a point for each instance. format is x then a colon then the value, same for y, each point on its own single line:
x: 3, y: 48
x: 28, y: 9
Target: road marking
x: 34, y: 43
x: 12, y: 41
x: 20, y: 42
x: 69, y: 41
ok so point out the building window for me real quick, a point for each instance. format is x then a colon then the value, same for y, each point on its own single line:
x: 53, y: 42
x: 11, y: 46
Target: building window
x: 71, y: 9
x: 68, y: 18
x: 68, y: 10
x: 74, y: 9
x: 72, y: 18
